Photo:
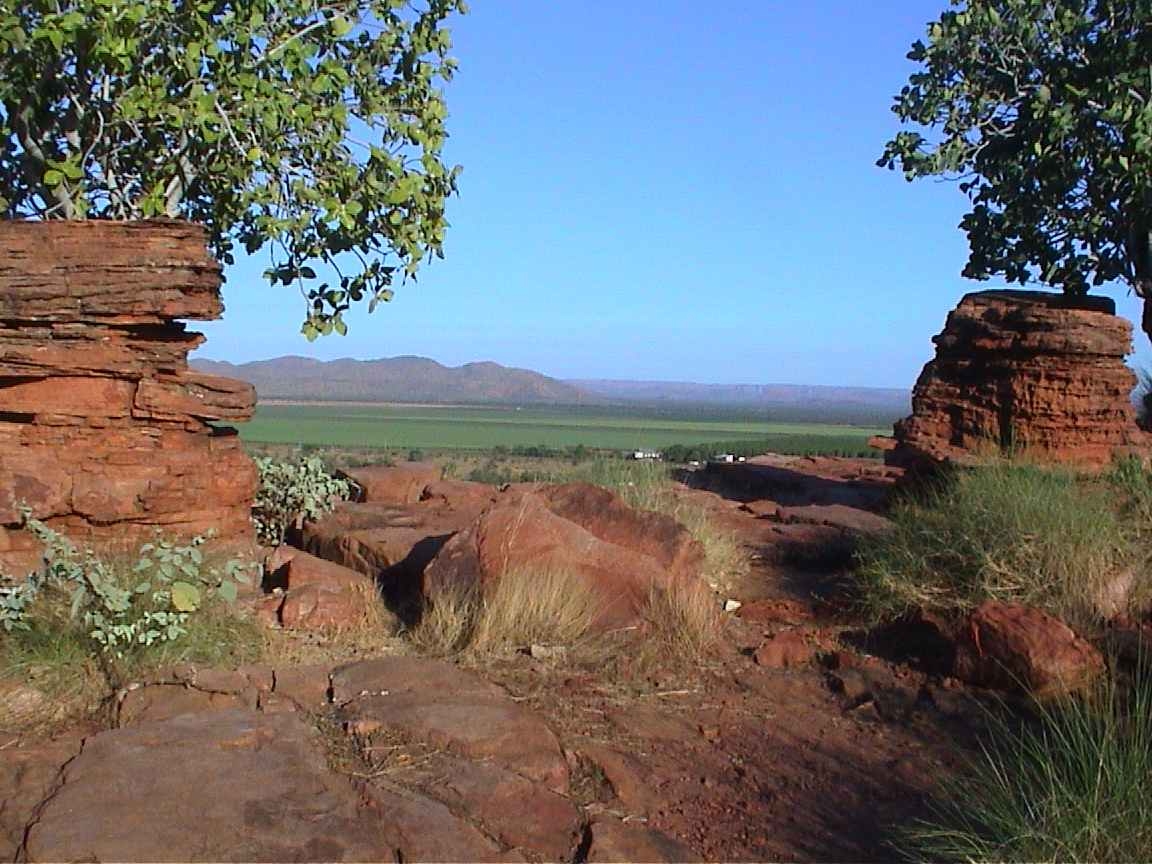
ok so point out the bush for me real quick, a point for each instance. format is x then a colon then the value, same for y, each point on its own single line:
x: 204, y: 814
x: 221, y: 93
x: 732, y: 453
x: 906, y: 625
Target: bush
x: 120, y: 612
x: 1007, y: 531
x: 292, y: 492
x: 1075, y: 785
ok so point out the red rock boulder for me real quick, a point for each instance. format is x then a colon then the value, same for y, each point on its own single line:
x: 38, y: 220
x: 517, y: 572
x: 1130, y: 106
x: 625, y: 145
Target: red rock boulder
x: 575, y: 528
x: 1013, y: 647
x: 402, y: 483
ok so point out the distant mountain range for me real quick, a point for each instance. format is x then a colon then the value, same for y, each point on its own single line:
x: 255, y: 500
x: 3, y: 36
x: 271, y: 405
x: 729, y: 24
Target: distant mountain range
x: 420, y: 380
x: 397, y: 379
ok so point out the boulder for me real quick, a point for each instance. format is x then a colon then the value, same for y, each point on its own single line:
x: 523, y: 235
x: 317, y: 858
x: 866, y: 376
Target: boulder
x: 622, y: 554
x: 1024, y: 370
x: 402, y: 483
x: 1012, y: 647
x: 785, y: 650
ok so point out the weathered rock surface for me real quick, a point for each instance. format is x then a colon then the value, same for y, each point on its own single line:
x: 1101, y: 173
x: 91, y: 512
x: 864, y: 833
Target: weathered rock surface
x: 1024, y: 370
x: 1009, y: 646
x: 442, y: 706
x: 310, y: 593
x: 402, y: 483
x: 615, y: 841
x: 104, y: 431
x: 231, y: 785
x: 622, y: 554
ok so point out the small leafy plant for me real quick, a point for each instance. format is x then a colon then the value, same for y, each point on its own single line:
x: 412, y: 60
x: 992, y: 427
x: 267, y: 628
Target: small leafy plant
x: 291, y: 493
x: 168, y: 584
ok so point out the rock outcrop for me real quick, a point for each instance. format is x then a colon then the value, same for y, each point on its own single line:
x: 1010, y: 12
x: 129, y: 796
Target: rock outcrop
x: 1041, y: 373
x: 105, y: 433
x: 622, y: 554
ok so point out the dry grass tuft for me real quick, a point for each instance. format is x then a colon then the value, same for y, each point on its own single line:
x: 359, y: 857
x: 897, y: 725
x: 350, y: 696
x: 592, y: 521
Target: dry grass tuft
x: 520, y: 609
x: 683, y: 627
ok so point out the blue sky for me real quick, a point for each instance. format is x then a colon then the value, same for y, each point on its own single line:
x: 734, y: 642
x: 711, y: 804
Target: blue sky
x: 669, y: 190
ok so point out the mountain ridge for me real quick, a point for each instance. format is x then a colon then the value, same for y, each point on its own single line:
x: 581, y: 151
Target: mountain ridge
x: 413, y: 379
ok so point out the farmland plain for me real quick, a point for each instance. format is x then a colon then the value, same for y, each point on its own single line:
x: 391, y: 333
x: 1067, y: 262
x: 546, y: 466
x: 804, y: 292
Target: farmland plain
x: 384, y: 426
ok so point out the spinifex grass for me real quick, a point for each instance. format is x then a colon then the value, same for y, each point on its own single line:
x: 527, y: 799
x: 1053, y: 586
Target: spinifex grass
x: 1073, y: 784
x: 1006, y: 531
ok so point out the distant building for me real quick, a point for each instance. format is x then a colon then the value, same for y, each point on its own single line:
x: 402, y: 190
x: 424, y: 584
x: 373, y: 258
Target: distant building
x: 647, y: 455
x: 724, y: 457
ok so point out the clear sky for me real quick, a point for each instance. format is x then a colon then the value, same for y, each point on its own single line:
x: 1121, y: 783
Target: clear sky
x: 670, y: 190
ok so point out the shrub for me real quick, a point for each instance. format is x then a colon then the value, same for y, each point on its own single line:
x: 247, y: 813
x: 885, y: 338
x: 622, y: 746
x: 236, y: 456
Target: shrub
x: 120, y: 612
x: 1075, y: 785
x: 292, y: 492
x: 1006, y: 531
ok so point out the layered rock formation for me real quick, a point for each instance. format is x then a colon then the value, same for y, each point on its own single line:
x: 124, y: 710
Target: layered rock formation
x: 104, y: 431
x: 1023, y: 371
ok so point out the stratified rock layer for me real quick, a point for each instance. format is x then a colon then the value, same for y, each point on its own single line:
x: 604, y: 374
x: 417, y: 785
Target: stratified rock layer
x: 1024, y: 371
x: 105, y: 433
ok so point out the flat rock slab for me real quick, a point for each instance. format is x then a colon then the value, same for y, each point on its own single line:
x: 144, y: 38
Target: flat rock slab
x: 614, y: 841
x: 28, y: 775
x: 230, y: 785
x: 516, y: 811
x: 440, y: 705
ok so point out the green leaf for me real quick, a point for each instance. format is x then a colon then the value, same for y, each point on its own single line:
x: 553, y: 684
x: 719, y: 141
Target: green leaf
x: 227, y: 592
x: 341, y: 26
x: 185, y: 597
x: 53, y: 177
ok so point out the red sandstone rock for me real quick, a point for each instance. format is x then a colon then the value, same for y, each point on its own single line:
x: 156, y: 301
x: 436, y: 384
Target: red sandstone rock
x: 132, y: 272
x: 403, y: 483
x: 784, y: 651
x: 1024, y: 370
x: 1011, y: 647
x: 577, y: 529
x: 102, y: 428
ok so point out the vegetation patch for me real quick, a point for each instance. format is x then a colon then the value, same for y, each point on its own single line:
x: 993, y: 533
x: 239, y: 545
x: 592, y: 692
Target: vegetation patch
x: 292, y: 492
x: 79, y: 626
x: 1006, y: 531
x: 1073, y: 784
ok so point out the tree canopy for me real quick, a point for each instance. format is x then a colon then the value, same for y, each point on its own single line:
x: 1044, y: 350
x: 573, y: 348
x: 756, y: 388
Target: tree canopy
x: 1042, y: 111
x: 309, y: 128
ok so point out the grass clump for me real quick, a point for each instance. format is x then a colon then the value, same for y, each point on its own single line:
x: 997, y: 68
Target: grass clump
x: 1006, y: 531
x: 1074, y: 784
x: 520, y: 609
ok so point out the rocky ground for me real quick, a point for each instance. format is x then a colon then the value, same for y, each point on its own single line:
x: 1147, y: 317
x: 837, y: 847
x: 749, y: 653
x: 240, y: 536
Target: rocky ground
x: 797, y: 741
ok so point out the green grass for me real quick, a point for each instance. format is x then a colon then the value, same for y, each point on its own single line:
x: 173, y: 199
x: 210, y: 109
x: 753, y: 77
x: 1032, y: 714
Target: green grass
x: 482, y: 428
x: 1006, y: 531
x: 1073, y: 785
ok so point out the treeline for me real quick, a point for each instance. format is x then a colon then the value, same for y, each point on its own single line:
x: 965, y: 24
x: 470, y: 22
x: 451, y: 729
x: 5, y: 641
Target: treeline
x: 787, y: 444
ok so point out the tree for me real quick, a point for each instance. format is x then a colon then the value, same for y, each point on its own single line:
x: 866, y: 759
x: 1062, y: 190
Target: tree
x: 309, y: 128
x: 1042, y: 110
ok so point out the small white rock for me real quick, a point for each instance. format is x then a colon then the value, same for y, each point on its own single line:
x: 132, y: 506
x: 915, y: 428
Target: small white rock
x: 732, y: 605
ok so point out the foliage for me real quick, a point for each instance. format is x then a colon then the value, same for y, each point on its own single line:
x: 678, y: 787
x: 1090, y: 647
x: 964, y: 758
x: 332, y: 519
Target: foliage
x: 311, y: 129
x: 1042, y: 109
x: 1006, y: 531
x: 1074, y: 786
x: 292, y: 492
x: 168, y: 584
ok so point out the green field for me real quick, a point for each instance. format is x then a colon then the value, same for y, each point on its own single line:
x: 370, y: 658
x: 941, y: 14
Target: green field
x: 484, y: 428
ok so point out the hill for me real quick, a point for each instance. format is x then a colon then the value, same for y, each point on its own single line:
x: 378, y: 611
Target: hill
x: 421, y: 380
x: 397, y: 379
x: 799, y: 402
